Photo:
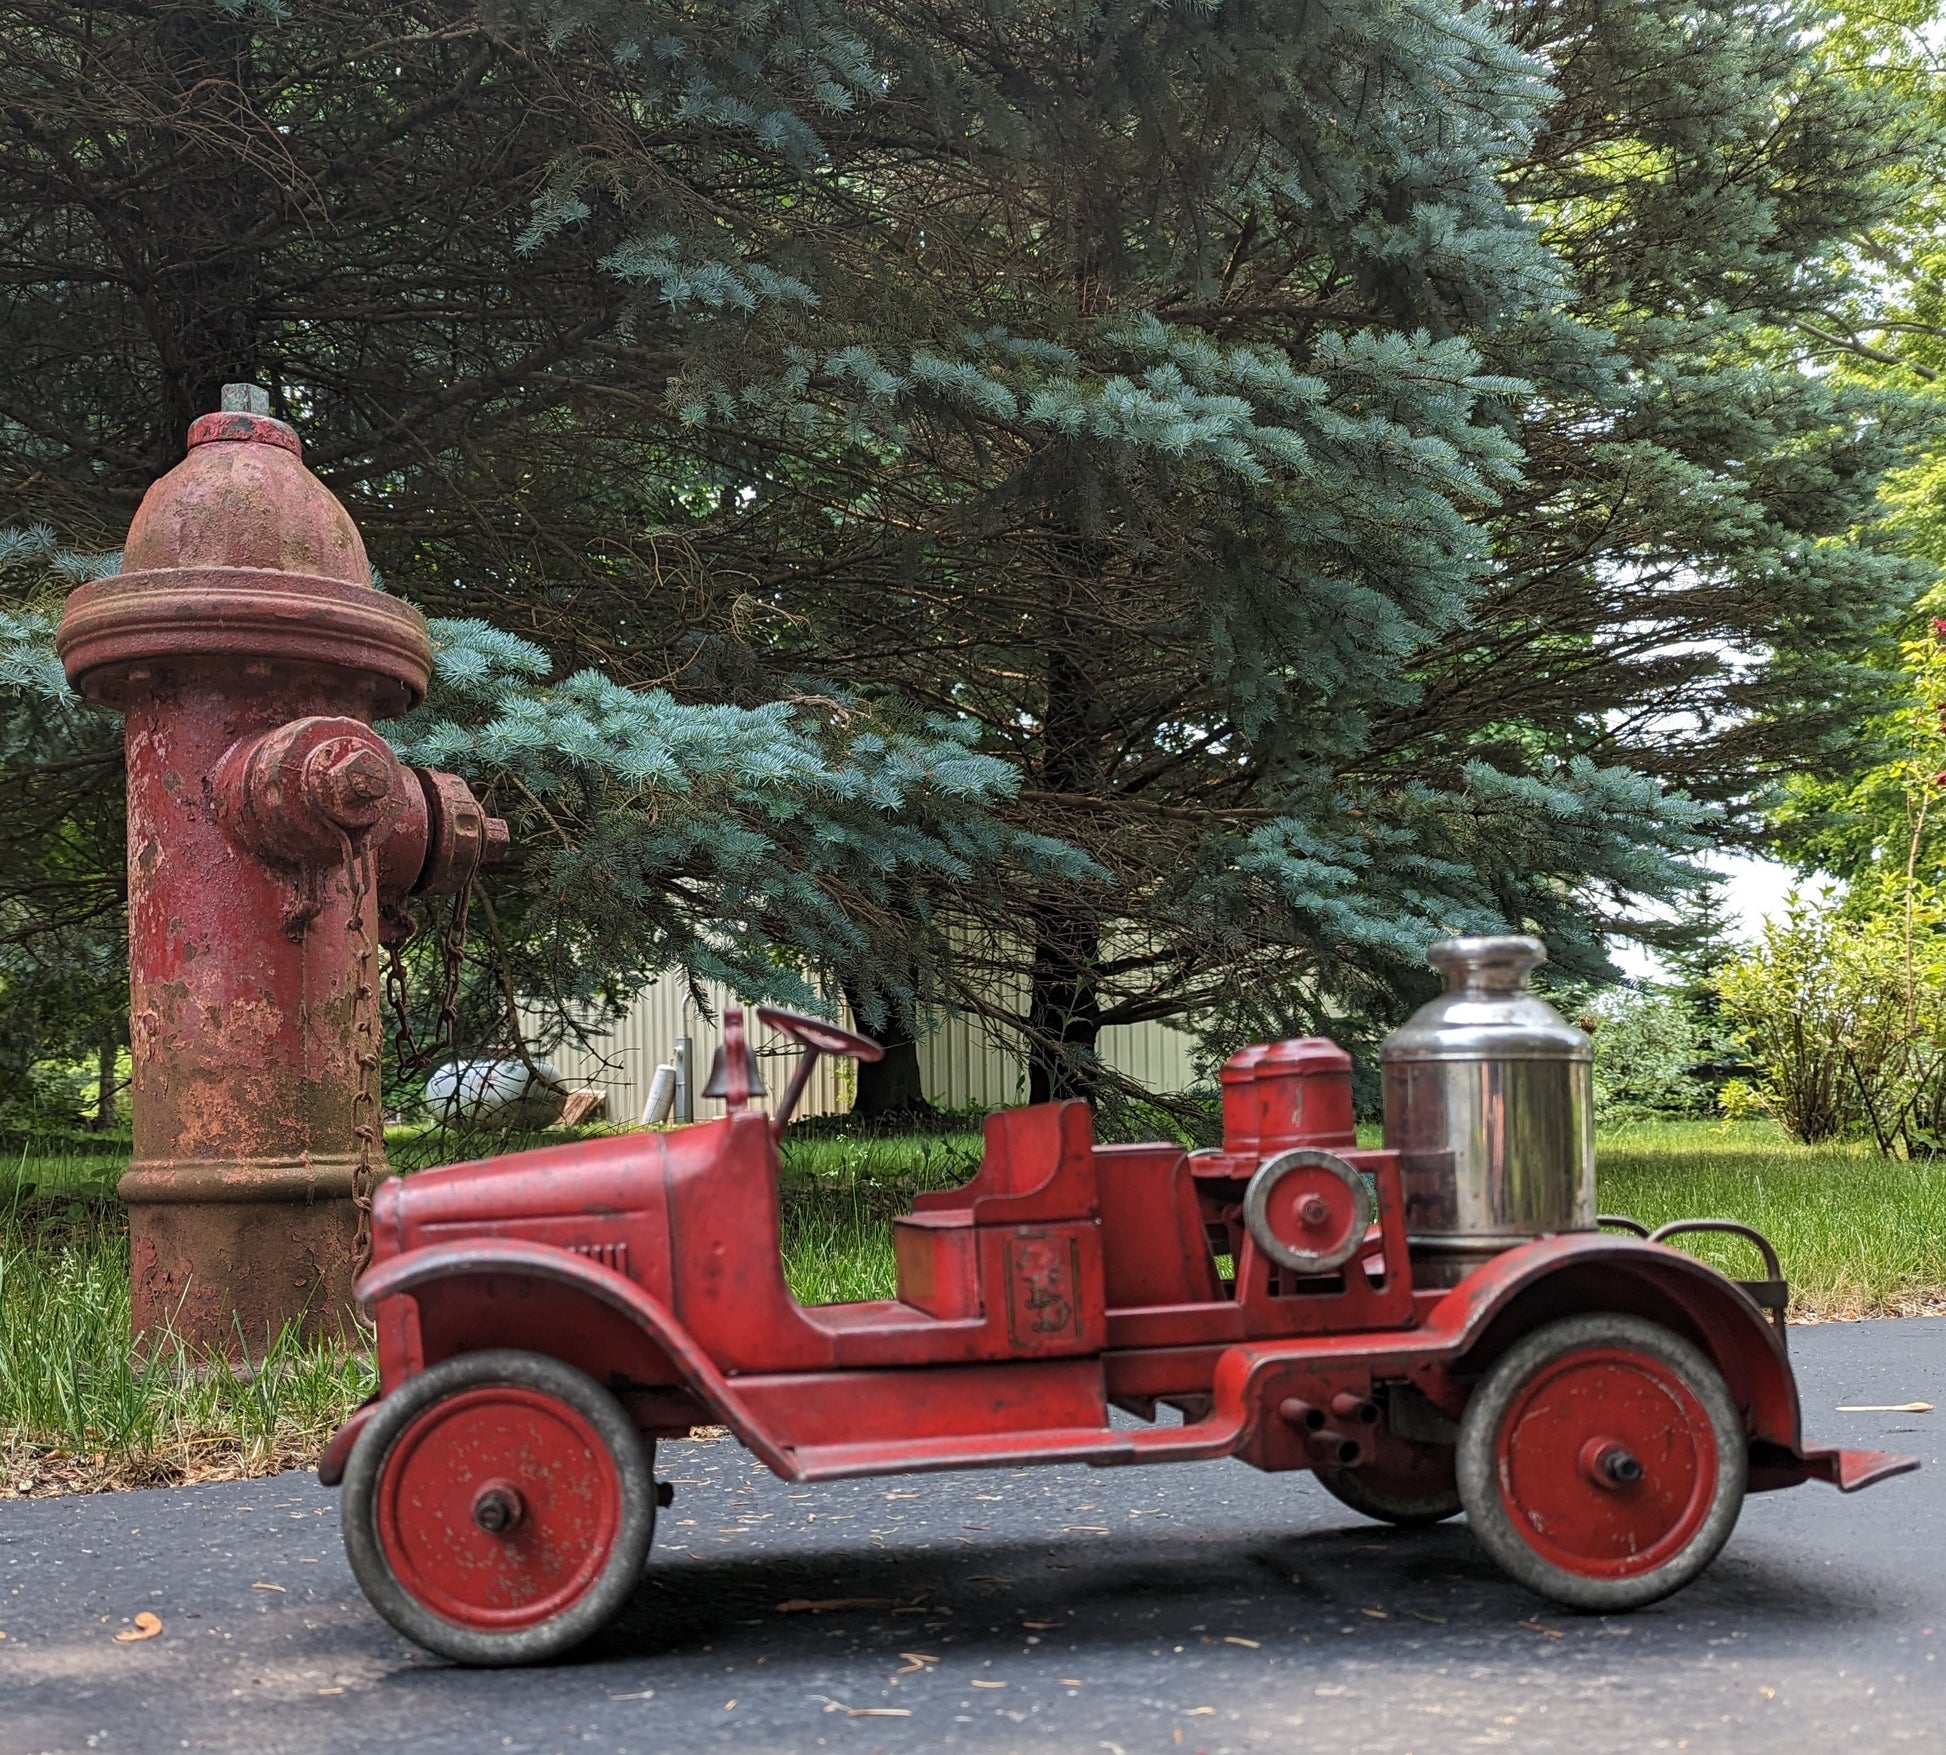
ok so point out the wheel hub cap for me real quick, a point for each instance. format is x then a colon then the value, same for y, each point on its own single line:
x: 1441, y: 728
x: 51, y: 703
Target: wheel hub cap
x: 498, y: 1507
x: 1607, y: 1463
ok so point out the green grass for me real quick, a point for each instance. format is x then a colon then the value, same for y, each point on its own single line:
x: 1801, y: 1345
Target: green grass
x: 80, y: 1408
x: 839, y: 1197
x: 1858, y: 1235
x: 27, y: 1173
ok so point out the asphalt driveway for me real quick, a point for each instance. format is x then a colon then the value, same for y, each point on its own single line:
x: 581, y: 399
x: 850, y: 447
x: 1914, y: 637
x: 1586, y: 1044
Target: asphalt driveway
x: 1191, y: 1608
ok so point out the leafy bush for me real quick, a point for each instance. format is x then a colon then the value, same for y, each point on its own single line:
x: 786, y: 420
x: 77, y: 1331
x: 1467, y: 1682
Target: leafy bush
x: 1841, y: 1008
x: 46, y: 1100
x: 1652, y: 1046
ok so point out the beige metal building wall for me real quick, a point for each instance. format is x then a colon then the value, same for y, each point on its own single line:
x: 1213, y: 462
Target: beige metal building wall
x: 966, y: 1066
x: 621, y: 1061
x: 1154, y: 1055
x: 964, y: 1063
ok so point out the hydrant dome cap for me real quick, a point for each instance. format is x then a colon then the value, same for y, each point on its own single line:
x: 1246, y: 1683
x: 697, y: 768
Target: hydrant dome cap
x: 241, y: 553
x: 242, y: 498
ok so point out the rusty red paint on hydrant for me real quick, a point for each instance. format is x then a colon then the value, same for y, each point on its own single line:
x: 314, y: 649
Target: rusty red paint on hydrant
x: 250, y: 653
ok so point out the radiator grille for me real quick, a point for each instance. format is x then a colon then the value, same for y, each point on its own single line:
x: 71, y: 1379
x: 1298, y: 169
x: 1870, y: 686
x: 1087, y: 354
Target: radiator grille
x: 609, y: 1255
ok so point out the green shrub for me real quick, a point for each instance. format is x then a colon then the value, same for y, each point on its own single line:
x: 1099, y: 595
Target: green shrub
x: 1841, y: 1009
x: 1651, y: 1048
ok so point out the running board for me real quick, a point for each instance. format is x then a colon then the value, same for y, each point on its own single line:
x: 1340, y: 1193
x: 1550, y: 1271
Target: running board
x: 1101, y: 1446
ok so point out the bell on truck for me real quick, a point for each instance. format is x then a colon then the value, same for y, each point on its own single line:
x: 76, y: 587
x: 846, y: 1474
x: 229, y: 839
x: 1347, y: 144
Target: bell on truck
x: 1489, y: 1102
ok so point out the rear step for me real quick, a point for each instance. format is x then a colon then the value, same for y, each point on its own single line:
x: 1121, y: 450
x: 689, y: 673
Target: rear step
x: 1851, y: 1471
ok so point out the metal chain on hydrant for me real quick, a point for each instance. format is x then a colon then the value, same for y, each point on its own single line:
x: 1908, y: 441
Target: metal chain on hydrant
x: 367, y: 1044
x: 412, y: 1055
x: 453, y: 951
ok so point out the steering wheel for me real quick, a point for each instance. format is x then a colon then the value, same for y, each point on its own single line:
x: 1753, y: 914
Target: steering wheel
x: 815, y: 1037
x: 819, y: 1036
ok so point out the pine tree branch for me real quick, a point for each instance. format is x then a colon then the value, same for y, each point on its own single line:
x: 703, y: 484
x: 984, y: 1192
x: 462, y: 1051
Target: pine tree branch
x: 1864, y: 350
x: 1146, y: 807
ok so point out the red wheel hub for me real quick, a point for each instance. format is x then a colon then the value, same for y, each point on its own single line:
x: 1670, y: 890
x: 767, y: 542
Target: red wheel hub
x: 1312, y: 1211
x: 497, y: 1507
x: 1607, y: 1463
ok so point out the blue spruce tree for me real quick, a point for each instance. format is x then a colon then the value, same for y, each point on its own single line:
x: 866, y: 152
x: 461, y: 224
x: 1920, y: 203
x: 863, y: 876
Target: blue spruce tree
x: 1160, y: 509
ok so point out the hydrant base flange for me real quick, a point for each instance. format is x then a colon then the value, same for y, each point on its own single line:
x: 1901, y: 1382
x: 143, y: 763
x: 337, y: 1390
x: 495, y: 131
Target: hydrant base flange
x: 233, y: 1276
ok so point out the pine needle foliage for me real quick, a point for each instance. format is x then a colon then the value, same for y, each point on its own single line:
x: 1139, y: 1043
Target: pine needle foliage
x: 63, y: 934
x: 1328, y: 464
x: 756, y: 846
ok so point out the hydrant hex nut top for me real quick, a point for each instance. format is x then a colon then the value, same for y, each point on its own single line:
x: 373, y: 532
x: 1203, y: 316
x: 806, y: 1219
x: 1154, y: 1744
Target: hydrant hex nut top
x: 245, y: 399
x: 241, y: 553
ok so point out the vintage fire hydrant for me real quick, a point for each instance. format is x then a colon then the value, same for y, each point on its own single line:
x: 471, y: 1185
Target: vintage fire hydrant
x: 248, y: 649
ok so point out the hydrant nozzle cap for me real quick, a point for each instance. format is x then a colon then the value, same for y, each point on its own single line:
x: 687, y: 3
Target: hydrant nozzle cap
x: 245, y: 418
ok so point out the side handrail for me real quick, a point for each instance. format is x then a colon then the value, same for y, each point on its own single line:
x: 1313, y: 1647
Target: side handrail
x: 1772, y: 1295
x: 1620, y: 1222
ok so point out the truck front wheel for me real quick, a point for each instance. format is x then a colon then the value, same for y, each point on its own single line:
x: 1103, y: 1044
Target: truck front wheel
x: 498, y: 1507
x: 1602, y: 1462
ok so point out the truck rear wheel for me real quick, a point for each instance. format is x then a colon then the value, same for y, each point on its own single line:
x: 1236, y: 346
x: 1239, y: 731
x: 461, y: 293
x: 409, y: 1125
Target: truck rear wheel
x: 498, y: 1507
x: 1602, y: 1462
x: 1407, y: 1484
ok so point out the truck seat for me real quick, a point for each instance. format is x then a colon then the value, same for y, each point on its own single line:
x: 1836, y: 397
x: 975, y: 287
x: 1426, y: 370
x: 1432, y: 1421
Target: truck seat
x: 1038, y: 1170
x: 1154, y: 1250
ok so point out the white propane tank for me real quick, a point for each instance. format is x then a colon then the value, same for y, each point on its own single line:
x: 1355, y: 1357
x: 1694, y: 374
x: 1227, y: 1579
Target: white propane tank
x: 498, y: 1092
x: 662, y: 1095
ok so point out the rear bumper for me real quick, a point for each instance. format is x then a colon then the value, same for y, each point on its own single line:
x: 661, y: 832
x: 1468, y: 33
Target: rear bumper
x: 1851, y: 1470
x: 1777, y: 1465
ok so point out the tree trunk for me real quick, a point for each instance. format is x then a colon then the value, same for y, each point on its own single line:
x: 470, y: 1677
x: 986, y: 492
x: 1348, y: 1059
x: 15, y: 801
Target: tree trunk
x: 197, y: 234
x: 1063, y: 998
x: 1063, y: 1007
x: 107, y: 1061
x: 890, y: 1088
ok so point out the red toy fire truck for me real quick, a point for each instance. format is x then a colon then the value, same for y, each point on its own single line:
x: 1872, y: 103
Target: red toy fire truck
x: 1437, y: 1326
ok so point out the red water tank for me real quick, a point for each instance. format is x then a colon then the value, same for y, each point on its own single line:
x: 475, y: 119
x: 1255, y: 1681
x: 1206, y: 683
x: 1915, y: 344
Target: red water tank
x: 1283, y: 1094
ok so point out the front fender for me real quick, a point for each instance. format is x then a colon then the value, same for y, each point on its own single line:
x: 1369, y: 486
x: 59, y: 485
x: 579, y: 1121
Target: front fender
x: 542, y: 1264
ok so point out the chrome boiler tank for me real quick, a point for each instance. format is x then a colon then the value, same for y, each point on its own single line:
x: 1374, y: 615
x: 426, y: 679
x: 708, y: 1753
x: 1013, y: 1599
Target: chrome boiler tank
x: 1489, y: 1101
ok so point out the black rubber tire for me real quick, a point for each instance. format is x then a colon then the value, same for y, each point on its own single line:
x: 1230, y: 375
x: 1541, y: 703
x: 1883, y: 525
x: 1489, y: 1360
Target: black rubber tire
x: 1499, y: 1530
x: 633, y: 1458
x: 1353, y: 1487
